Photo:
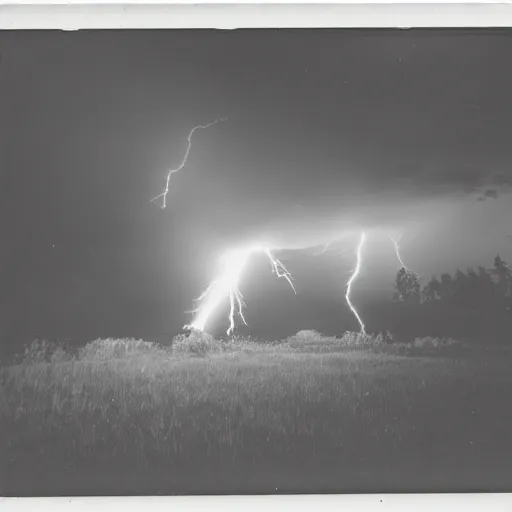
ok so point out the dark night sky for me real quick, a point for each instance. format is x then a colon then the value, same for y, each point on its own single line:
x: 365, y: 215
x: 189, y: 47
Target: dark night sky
x: 328, y: 132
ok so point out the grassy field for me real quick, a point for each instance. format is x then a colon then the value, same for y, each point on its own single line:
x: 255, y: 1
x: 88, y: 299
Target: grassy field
x: 311, y: 414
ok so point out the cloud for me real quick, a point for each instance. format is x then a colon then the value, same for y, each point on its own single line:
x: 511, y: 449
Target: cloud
x: 493, y: 194
x: 300, y: 197
x: 457, y: 180
x: 464, y: 179
x: 502, y: 179
x: 490, y: 193
x: 452, y: 180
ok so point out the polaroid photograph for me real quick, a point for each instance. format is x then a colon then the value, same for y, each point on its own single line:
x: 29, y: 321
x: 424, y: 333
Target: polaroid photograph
x: 254, y: 260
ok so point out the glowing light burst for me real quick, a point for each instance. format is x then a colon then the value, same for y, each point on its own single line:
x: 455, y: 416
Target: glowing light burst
x: 352, y: 279
x: 226, y: 286
x: 163, y: 195
x: 397, y: 249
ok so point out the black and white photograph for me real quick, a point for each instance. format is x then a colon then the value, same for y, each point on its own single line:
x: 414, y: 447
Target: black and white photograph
x: 255, y: 261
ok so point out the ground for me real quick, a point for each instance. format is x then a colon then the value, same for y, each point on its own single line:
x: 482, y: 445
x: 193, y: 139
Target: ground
x: 298, y: 417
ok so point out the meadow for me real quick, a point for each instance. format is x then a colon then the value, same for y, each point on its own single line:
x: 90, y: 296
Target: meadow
x: 307, y: 414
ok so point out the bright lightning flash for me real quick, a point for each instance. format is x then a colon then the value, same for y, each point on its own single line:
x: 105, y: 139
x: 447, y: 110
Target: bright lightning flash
x: 226, y: 286
x: 163, y: 195
x: 352, y: 279
x: 397, y: 249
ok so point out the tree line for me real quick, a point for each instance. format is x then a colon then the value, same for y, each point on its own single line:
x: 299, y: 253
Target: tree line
x: 473, y: 305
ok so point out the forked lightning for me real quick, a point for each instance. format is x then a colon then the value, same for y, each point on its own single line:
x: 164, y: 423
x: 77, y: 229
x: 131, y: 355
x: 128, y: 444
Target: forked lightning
x: 163, y: 195
x: 226, y: 286
x: 397, y: 249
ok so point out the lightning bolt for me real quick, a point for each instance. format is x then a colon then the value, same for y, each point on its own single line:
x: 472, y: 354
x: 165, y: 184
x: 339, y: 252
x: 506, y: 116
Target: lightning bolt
x: 325, y: 248
x: 397, y: 249
x: 352, y: 279
x: 227, y: 286
x: 279, y: 269
x: 184, y: 161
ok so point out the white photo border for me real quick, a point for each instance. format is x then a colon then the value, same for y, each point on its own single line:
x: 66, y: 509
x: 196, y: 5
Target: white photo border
x: 230, y: 15
x: 182, y: 14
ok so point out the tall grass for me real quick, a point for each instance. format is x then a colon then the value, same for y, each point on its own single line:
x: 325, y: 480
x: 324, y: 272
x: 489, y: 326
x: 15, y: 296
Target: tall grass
x: 204, y: 403
x: 126, y: 400
x: 197, y: 343
x: 108, y: 349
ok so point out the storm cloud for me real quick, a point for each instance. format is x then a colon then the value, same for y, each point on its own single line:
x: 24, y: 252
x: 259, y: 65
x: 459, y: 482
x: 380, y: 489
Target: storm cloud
x: 328, y: 132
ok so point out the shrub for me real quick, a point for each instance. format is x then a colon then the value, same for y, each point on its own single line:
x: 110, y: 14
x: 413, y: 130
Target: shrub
x: 104, y: 349
x: 195, y: 342
x: 309, y: 336
x: 238, y: 342
x: 356, y: 339
x: 431, y: 342
x: 348, y: 340
x: 383, y: 338
x: 44, y: 351
x: 248, y: 344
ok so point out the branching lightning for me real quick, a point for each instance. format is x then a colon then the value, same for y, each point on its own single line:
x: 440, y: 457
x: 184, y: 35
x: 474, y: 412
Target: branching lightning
x: 234, y: 262
x: 163, y: 195
x: 397, y: 249
x: 279, y: 269
x: 227, y: 286
x: 325, y: 248
x: 352, y: 279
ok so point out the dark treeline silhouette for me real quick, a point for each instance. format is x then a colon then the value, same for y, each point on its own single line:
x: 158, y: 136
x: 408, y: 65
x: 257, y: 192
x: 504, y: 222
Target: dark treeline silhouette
x: 472, y: 305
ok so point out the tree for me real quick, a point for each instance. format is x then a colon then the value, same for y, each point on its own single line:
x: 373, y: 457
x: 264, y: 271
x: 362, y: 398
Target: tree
x: 446, y: 287
x: 486, y: 284
x: 476, y: 304
x: 502, y: 276
x: 460, y: 282
x: 432, y: 290
x: 407, y: 286
x: 473, y: 289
